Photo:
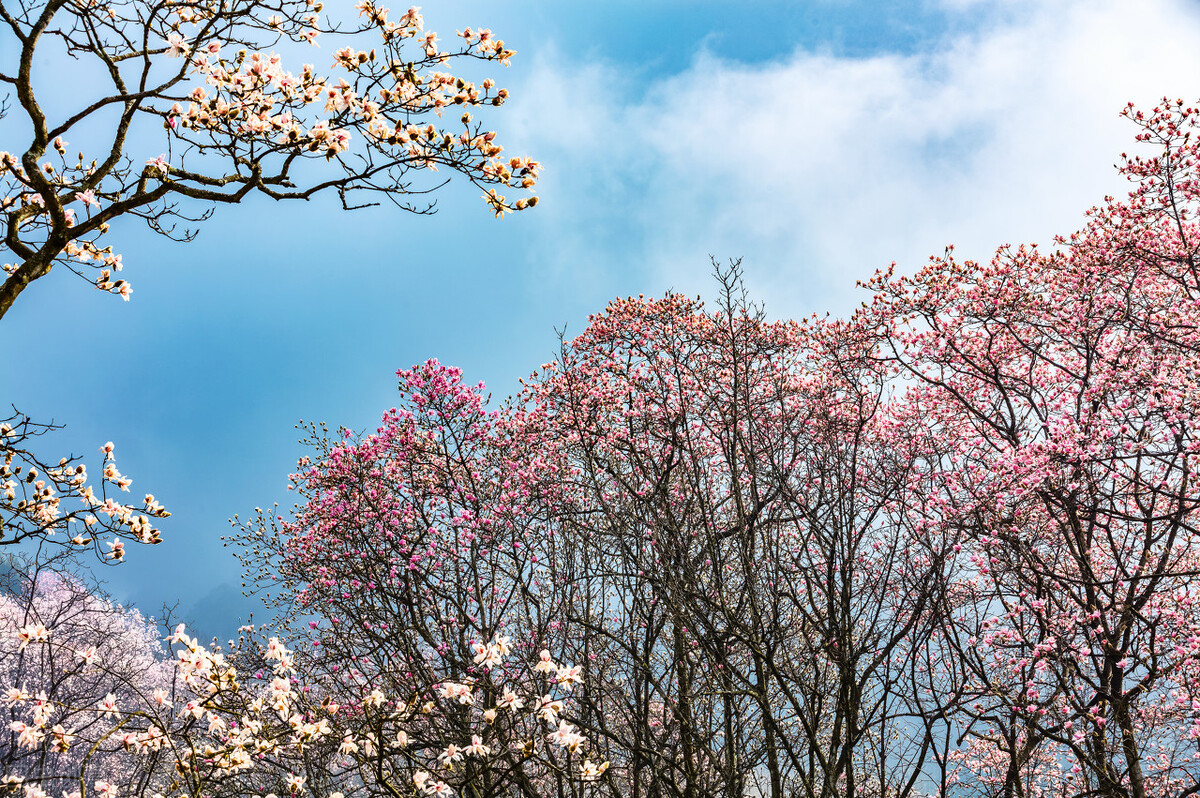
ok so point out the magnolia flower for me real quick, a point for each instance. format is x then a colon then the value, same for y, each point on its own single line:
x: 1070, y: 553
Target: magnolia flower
x: 569, y: 676
x: 158, y: 166
x: 108, y: 706
x: 488, y: 656
x: 276, y: 649
x: 177, y: 46
x: 448, y: 757
x: 590, y: 771
x: 27, y: 736
x: 546, y: 665
x: 459, y: 692
x: 548, y: 709
x: 566, y: 737
x: 477, y: 748
x: 33, y: 633
x: 61, y: 738
x: 15, y: 695
x: 42, y: 710
x: 510, y: 700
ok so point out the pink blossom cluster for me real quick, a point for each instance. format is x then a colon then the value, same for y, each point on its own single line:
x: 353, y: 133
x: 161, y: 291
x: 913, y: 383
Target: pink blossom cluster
x: 1053, y: 396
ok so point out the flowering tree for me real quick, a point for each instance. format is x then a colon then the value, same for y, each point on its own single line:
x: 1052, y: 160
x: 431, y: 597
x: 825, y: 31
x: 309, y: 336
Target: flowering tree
x: 402, y: 564
x: 727, y: 502
x: 94, y: 703
x: 399, y: 549
x: 1056, y: 395
x: 54, y: 504
x: 949, y: 541
x: 742, y: 622
x: 100, y: 653
x: 188, y: 104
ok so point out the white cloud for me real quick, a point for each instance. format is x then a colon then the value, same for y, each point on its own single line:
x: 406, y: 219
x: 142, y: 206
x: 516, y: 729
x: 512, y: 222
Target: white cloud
x: 820, y: 169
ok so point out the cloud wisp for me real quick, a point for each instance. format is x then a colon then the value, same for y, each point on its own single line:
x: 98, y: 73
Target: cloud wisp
x: 820, y: 168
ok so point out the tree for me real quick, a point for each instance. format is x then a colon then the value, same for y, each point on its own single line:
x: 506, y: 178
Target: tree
x: 693, y: 505
x: 93, y: 702
x: 186, y: 106
x: 100, y: 652
x: 399, y: 568
x: 735, y: 552
x: 55, y: 506
x: 1056, y: 393
x: 197, y: 110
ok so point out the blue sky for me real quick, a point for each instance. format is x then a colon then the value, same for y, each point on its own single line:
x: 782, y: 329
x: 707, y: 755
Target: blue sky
x: 819, y: 141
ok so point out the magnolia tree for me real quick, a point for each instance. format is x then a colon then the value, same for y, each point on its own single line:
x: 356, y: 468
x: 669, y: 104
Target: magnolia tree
x: 1055, y: 395
x: 101, y: 654
x: 55, y: 504
x: 95, y: 704
x: 398, y: 553
x: 727, y: 502
x: 183, y: 106
x: 188, y: 104
x: 402, y: 563
x: 743, y: 623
